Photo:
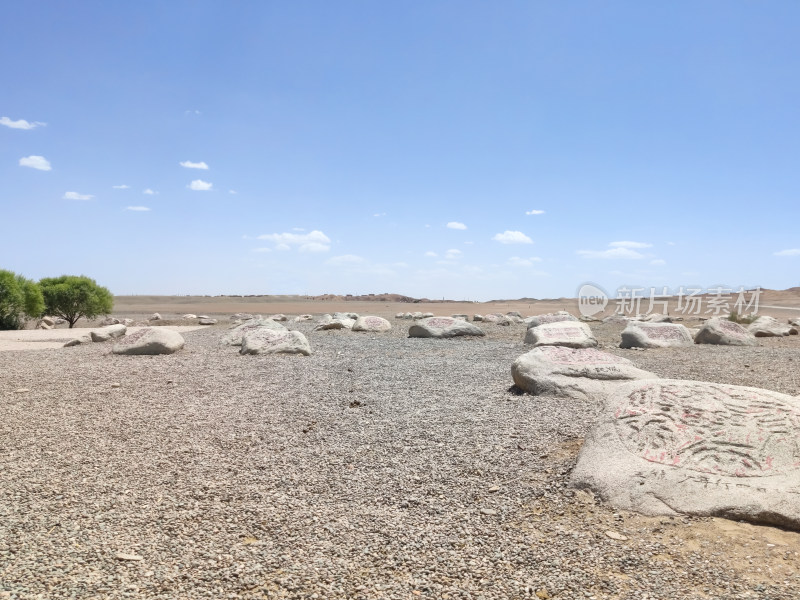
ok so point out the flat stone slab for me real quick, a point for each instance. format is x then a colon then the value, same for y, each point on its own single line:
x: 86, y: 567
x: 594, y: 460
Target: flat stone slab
x: 584, y: 373
x: 667, y: 447
x: 556, y: 317
x: 270, y: 341
x: 655, y: 335
x: 571, y: 334
x: 443, y: 327
x: 149, y: 340
x: 235, y: 335
x: 371, y: 323
x: 724, y: 332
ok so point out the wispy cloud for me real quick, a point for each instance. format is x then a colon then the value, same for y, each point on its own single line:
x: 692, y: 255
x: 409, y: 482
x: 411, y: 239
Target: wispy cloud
x: 611, y: 253
x: 192, y: 112
x: 200, y: 186
x: 512, y: 237
x: 77, y: 196
x: 379, y: 215
x: 534, y: 212
x: 630, y: 245
x: 345, y: 260
x: 232, y: 192
x: 150, y: 192
x: 137, y: 208
x: 453, y: 254
x: 313, y: 241
x: 21, y: 123
x: 35, y: 162
x: 120, y: 187
x: 456, y: 225
x: 193, y: 165
x: 431, y: 254
x: 516, y: 261
x: 789, y: 252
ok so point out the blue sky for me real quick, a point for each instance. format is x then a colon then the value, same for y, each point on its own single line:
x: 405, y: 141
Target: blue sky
x: 469, y: 150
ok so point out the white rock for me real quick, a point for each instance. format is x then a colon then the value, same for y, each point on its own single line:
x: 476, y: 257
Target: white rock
x: 106, y: 333
x: 571, y: 334
x: 443, y: 327
x: 556, y: 317
x: 149, y: 340
x: 583, y: 373
x: 234, y: 336
x: 84, y: 339
x: 207, y: 321
x: 655, y: 335
x: 724, y: 332
x: 669, y: 447
x: 155, y: 317
x: 189, y: 316
x: 51, y: 322
x: 372, y: 323
x: 765, y: 326
x: 303, y: 318
x: 335, y: 324
x: 262, y: 340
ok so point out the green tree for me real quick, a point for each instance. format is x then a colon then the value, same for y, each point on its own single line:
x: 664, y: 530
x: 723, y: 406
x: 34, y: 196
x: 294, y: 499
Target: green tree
x: 20, y: 299
x: 72, y: 297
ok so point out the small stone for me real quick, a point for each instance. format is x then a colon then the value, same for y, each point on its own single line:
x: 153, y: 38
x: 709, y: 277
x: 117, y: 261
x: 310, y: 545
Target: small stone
x: 488, y: 511
x: 116, y: 385
x: 21, y: 390
x: 126, y: 556
x: 493, y: 489
x: 616, y: 536
x: 542, y: 594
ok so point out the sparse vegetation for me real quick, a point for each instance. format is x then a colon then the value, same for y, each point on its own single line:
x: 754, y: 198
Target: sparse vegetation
x: 72, y: 297
x: 20, y: 300
x: 741, y: 319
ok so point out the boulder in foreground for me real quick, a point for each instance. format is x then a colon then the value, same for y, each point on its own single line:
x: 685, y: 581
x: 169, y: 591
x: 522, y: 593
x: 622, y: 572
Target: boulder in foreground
x: 234, y: 336
x: 669, y: 447
x: 106, y: 333
x: 149, y: 340
x: 655, y: 335
x: 270, y: 341
x: 571, y: 334
x: 371, y: 323
x: 443, y: 327
x: 765, y: 326
x: 583, y: 373
x: 724, y: 332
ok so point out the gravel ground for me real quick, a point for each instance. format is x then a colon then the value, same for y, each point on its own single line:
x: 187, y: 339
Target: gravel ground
x: 379, y: 467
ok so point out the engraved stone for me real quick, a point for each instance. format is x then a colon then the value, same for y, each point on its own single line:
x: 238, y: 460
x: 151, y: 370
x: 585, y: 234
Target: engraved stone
x: 555, y: 317
x: 443, y: 327
x: 371, y: 323
x: 724, y: 332
x: 149, y: 340
x: 234, y: 336
x: 688, y: 447
x: 655, y: 335
x: 561, y: 333
x: 270, y: 341
x: 585, y: 373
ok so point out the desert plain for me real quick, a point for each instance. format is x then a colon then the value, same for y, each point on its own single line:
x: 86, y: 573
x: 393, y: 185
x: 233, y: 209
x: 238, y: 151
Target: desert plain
x: 381, y: 466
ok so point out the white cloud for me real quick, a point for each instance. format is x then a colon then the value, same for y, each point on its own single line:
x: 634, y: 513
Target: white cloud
x: 199, y: 185
x: 611, y: 253
x: 193, y: 165
x: 658, y: 262
x: 192, y: 112
x: 534, y: 212
x: 149, y: 192
x: 789, y: 252
x: 452, y: 254
x: 630, y: 245
x: 77, y: 196
x: 512, y: 237
x: 232, y: 192
x: 431, y: 254
x: 35, y: 162
x: 379, y: 215
x: 262, y: 249
x: 298, y: 229
x: 137, y: 208
x: 456, y: 225
x: 313, y: 241
x: 516, y: 261
x: 120, y: 187
x: 21, y: 124
x: 344, y: 260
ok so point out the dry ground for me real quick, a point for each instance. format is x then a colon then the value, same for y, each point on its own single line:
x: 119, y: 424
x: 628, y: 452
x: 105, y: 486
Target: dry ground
x: 379, y: 467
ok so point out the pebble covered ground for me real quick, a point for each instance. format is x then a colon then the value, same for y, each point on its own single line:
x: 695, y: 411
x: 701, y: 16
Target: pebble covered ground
x: 379, y: 467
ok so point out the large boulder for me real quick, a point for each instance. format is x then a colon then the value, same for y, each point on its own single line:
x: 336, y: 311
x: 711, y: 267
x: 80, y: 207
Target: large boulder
x: 334, y: 324
x: 668, y: 447
x: 572, y: 334
x: 371, y: 323
x: 106, y: 333
x: 149, y: 340
x: 655, y: 335
x: 443, y: 327
x: 584, y: 373
x: 724, y: 332
x: 234, y: 336
x: 765, y: 326
x: 555, y: 317
x: 263, y: 340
